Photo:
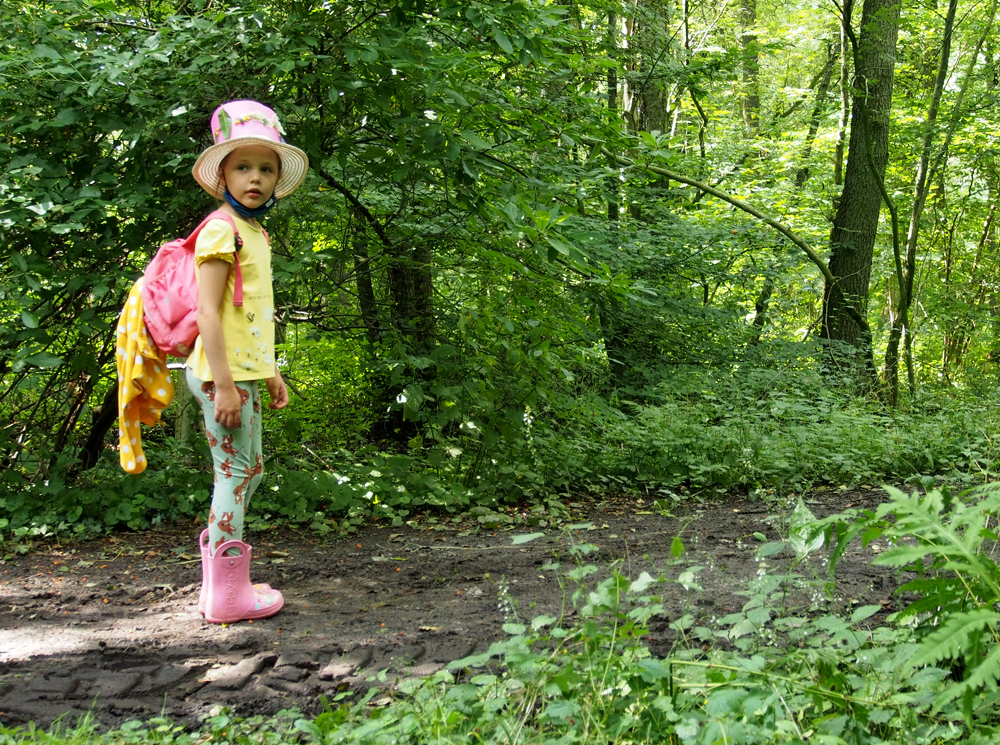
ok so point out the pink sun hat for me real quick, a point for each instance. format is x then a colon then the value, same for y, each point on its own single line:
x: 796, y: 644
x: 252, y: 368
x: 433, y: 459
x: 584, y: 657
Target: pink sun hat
x: 239, y: 123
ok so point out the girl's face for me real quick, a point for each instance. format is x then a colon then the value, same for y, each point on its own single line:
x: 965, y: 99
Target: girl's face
x: 251, y: 173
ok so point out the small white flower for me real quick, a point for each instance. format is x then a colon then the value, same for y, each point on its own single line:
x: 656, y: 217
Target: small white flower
x: 255, y: 331
x: 268, y: 313
x: 248, y: 365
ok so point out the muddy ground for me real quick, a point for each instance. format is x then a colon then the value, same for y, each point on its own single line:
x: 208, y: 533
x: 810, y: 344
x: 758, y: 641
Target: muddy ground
x: 111, y: 626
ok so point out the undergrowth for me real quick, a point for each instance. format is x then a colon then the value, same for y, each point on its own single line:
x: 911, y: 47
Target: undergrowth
x: 785, y: 669
x: 700, y: 432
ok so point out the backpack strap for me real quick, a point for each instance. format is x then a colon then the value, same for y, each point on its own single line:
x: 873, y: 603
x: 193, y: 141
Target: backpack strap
x: 193, y: 238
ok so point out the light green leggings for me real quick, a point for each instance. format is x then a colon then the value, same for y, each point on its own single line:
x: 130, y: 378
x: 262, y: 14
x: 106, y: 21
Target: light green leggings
x: 236, y: 457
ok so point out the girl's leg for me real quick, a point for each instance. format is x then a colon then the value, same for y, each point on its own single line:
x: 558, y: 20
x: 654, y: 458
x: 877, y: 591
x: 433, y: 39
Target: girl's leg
x: 236, y: 457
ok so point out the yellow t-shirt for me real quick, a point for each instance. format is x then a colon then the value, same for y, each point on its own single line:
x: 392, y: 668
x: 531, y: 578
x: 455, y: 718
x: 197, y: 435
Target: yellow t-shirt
x: 247, y: 329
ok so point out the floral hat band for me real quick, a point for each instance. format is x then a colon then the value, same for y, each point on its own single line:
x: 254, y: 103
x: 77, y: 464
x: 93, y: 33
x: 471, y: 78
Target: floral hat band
x: 239, y: 123
x: 224, y: 131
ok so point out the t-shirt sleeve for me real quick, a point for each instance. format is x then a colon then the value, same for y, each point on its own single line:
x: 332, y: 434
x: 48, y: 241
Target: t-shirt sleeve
x: 217, y: 240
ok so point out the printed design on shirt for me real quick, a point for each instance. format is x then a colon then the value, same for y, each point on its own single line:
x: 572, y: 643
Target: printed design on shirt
x: 268, y: 313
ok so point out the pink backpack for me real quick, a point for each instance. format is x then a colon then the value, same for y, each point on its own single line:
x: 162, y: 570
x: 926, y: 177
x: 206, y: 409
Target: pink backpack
x: 170, y: 291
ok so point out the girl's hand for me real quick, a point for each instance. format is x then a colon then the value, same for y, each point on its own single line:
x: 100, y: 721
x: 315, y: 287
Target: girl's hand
x: 228, y: 406
x: 278, y: 391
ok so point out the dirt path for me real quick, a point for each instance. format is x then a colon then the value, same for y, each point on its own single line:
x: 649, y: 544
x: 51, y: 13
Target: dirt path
x: 111, y: 625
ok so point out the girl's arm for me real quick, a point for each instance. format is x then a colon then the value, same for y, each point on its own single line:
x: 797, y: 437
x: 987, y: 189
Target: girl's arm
x: 213, y: 274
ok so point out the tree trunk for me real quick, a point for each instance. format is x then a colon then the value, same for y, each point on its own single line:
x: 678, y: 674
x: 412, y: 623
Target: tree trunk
x: 613, y: 188
x: 852, y: 239
x: 751, y: 64
x: 363, y: 279
x: 106, y: 417
x: 814, y: 121
x: 845, y: 100
x: 901, y: 323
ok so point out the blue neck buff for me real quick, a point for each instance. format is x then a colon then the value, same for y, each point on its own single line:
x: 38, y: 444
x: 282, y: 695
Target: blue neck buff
x: 244, y: 211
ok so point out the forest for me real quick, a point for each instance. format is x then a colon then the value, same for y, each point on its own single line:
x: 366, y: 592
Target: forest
x: 547, y: 250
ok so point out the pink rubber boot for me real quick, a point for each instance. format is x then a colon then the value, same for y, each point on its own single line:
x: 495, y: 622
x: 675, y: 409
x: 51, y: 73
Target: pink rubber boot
x: 206, y: 553
x: 229, y: 596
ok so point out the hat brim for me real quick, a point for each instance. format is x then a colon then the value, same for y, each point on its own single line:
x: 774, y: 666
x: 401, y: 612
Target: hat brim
x: 294, y: 165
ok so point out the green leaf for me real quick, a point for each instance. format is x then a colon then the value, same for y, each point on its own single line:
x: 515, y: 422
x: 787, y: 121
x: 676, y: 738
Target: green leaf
x: 561, y: 710
x: 225, y: 124
x: 456, y: 97
x: 541, y: 621
x: 475, y: 140
x: 771, y: 549
x: 725, y: 701
x: 29, y: 319
x: 804, y: 535
x: 43, y: 360
x: 652, y: 670
x: 642, y: 582
x: 502, y: 40
x: 561, y: 246
x: 865, y: 611
x: 46, y: 52
x: 526, y: 538
x: 65, y: 117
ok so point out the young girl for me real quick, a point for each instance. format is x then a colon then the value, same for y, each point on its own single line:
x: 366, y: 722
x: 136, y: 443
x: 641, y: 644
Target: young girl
x: 249, y: 166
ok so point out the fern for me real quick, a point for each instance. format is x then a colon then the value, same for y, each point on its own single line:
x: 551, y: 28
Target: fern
x: 943, y: 541
x: 951, y: 639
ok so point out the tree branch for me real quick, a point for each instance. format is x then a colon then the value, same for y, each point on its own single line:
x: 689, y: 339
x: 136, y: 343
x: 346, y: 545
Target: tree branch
x: 369, y: 217
x: 751, y: 210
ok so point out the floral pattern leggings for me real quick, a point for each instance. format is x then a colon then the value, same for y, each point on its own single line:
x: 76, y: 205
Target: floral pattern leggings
x: 236, y: 457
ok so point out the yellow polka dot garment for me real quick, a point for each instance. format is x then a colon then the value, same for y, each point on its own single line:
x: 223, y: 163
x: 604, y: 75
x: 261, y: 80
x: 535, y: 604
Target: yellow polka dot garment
x: 144, y: 384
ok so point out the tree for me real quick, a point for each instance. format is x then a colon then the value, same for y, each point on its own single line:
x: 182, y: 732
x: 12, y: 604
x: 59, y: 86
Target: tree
x: 855, y: 225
